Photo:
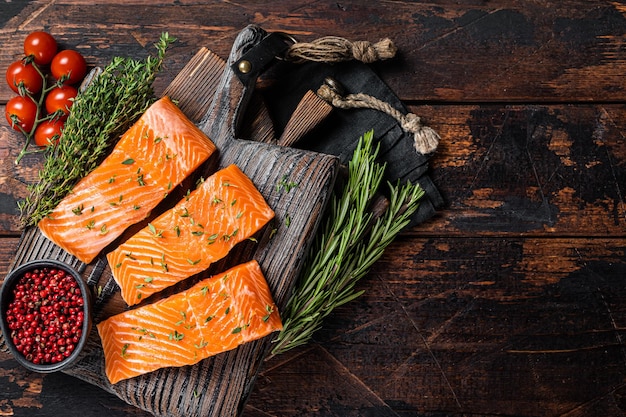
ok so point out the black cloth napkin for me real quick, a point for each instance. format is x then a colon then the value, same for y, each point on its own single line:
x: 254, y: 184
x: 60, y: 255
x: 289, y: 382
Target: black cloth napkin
x: 339, y: 133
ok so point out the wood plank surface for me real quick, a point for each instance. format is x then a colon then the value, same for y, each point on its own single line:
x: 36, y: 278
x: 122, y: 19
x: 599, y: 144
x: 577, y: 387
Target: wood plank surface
x: 486, y: 326
x: 510, y: 300
x: 449, y: 51
x: 468, y: 326
x: 202, y: 389
x: 503, y: 169
x: 530, y: 169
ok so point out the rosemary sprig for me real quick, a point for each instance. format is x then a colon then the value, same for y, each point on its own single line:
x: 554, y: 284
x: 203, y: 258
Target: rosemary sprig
x: 347, y: 245
x: 108, y: 106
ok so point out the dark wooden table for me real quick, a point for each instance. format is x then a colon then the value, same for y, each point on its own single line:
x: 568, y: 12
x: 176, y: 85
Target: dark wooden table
x: 511, y: 301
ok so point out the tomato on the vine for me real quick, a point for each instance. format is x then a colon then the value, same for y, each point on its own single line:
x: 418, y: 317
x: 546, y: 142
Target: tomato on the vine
x: 48, y: 132
x: 23, y: 110
x: 41, y: 46
x: 40, y: 109
x: 69, y: 63
x: 60, y: 98
x: 25, y: 74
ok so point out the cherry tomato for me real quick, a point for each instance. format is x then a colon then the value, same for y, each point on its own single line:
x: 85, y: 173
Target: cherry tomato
x: 60, y: 98
x: 20, y: 72
x: 41, y: 46
x: 48, y: 132
x: 24, y: 110
x: 71, y: 63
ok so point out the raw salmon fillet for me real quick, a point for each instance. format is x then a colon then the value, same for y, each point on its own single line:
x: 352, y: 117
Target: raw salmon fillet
x: 202, y: 228
x: 216, y: 315
x: 160, y: 150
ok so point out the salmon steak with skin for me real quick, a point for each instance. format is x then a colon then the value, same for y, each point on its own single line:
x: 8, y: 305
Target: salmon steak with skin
x: 202, y: 228
x: 214, y: 316
x: 155, y: 155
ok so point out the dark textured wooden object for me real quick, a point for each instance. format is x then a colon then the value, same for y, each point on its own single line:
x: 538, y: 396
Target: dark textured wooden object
x: 509, y: 302
x: 218, y: 386
x: 461, y: 51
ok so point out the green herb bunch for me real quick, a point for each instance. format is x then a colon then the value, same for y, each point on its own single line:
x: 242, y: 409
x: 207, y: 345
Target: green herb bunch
x: 353, y: 237
x: 100, y: 114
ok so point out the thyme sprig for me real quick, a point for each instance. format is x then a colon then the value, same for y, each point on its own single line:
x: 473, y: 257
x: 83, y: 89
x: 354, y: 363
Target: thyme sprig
x: 353, y: 237
x: 108, y: 106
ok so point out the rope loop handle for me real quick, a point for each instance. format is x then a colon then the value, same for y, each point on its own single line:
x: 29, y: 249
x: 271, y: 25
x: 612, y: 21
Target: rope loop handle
x: 425, y: 138
x: 332, y: 49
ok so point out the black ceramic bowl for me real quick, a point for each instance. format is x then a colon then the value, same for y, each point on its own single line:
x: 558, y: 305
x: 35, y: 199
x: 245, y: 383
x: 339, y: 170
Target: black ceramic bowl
x: 47, y: 305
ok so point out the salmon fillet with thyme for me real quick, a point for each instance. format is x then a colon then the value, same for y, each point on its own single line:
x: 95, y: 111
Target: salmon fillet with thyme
x: 201, y: 229
x: 214, y: 316
x: 155, y: 155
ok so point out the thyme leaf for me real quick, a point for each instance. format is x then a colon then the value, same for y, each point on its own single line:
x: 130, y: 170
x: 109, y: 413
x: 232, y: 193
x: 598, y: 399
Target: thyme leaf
x: 100, y: 114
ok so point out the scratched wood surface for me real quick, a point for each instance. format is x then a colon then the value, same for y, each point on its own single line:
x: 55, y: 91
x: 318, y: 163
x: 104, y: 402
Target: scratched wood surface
x: 511, y: 300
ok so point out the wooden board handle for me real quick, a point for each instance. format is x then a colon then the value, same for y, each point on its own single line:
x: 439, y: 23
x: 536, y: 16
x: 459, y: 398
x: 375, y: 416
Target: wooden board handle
x: 221, y: 121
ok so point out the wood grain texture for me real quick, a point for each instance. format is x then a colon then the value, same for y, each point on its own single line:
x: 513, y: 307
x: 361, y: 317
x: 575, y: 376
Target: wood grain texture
x: 219, y: 385
x: 512, y: 169
x: 467, y: 326
x: 452, y: 51
x: 510, y: 302
x: 530, y: 169
x: 27, y: 394
x: 486, y: 326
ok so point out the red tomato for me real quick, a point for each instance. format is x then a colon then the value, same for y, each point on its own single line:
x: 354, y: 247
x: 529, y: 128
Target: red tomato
x: 24, y: 110
x: 60, y: 98
x: 25, y: 74
x: 48, y: 132
x: 69, y: 63
x: 41, y: 46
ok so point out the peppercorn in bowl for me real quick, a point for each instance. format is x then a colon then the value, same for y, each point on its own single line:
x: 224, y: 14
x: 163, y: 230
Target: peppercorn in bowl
x: 45, y: 315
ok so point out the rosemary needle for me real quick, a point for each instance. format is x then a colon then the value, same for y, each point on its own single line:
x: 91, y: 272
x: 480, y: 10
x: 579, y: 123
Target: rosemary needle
x: 346, y: 246
x: 100, y: 114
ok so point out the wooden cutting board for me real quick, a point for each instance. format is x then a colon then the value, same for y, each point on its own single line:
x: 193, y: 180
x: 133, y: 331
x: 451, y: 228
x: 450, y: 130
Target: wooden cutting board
x: 217, y: 386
